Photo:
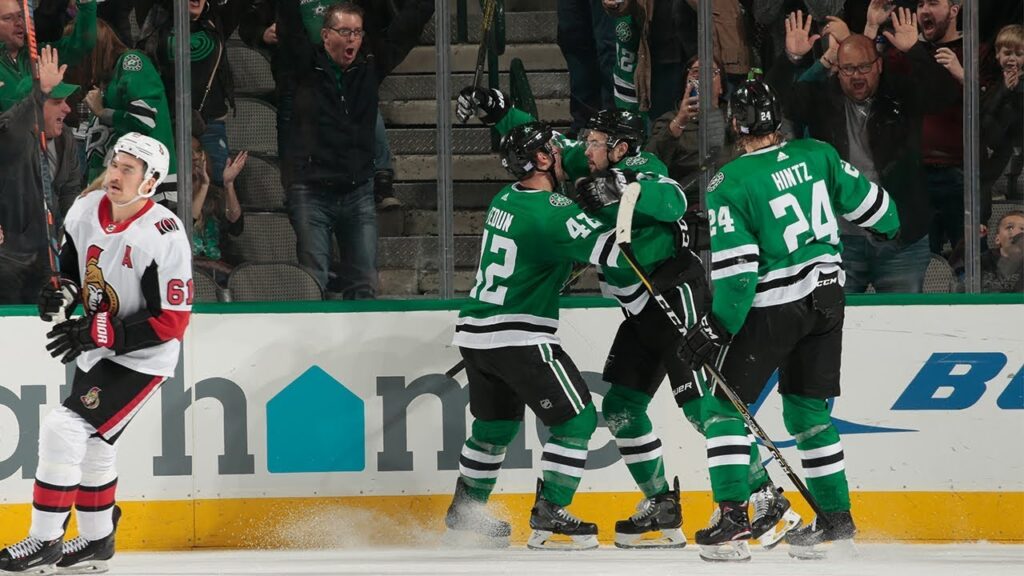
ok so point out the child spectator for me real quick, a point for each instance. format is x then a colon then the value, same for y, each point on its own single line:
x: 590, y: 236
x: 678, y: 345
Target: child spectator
x: 215, y: 210
x: 1002, y: 268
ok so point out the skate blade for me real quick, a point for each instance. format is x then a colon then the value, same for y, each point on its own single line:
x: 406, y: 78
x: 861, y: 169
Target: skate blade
x: 545, y: 540
x: 464, y: 539
x: 669, y: 538
x: 728, y: 552
x: 839, y: 549
x: 88, y: 567
x: 790, y: 521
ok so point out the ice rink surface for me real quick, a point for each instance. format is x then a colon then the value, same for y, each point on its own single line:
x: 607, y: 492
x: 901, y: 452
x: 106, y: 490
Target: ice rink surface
x: 872, y: 560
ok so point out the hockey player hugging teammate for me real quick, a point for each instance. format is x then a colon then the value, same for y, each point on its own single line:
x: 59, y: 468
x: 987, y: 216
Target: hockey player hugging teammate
x: 131, y: 258
x: 779, y: 304
x: 644, y: 349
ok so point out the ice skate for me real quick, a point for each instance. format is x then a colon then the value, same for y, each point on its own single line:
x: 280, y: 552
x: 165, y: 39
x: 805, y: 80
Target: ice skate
x: 548, y: 520
x: 725, y: 538
x: 83, y: 556
x: 806, y: 543
x: 31, y: 556
x: 773, y: 516
x: 470, y: 525
x: 659, y: 513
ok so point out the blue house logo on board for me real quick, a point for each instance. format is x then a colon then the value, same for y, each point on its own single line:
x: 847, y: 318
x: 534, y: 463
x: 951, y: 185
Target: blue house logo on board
x: 315, y: 424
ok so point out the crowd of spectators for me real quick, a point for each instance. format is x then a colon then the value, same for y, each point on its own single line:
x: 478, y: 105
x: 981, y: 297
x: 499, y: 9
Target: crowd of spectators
x: 881, y: 80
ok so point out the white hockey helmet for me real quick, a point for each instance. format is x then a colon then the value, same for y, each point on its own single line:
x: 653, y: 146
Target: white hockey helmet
x: 152, y: 153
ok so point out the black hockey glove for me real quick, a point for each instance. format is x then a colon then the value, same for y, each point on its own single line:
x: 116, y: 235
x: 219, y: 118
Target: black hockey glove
x: 703, y: 342
x: 58, y: 303
x: 593, y: 193
x: 698, y: 230
x: 71, y: 338
x: 489, y: 105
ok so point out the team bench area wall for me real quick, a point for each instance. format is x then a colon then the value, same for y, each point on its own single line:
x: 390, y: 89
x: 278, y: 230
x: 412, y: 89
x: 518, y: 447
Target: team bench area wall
x: 300, y: 427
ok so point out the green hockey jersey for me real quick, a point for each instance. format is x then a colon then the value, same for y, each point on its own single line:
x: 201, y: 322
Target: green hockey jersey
x: 16, y: 75
x: 531, y: 240
x: 137, y: 99
x: 773, y: 224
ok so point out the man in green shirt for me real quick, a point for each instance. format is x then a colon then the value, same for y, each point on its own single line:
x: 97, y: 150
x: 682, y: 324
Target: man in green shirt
x: 15, y: 63
x: 779, y: 304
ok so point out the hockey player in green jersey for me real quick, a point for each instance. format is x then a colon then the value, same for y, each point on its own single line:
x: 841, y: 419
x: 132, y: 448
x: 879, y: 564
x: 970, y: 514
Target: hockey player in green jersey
x: 506, y: 335
x: 643, y: 351
x: 779, y: 304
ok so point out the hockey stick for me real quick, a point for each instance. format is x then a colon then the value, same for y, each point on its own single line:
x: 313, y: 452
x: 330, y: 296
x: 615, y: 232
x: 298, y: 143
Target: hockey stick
x: 489, y: 9
x: 53, y: 242
x: 624, y: 238
x: 569, y: 283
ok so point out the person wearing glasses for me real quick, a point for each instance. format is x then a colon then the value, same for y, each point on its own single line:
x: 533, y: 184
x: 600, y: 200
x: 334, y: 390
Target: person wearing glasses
x: 873, y: 119
x: 328, y: 144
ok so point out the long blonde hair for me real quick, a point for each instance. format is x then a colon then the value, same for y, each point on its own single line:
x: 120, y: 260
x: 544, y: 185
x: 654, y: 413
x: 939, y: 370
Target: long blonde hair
x: 93, y: 186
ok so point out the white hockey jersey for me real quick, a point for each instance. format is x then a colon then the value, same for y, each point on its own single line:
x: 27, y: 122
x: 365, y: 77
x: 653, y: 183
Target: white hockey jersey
x: 139, y: 271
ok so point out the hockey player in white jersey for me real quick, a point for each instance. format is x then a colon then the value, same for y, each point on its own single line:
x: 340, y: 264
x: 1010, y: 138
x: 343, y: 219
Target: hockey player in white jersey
x: 132, y: 260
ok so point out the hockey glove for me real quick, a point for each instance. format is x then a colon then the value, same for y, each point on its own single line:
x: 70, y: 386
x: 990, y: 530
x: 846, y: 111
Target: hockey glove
x: 698, y: 230
x: 71, y: 338
x: 58, y: 303
x: 593, y: 193
x: 489, y: 105
x: 703, y: 342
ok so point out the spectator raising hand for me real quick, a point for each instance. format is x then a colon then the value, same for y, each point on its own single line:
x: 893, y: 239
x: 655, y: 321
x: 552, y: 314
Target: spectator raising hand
x: 799, y: 40
x: 904, y: 34
x: 50, y: 71
x: 878, y: 12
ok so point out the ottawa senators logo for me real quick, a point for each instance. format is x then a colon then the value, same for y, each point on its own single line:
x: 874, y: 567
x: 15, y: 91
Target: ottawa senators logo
x: 91, y: 399
x: 98, y: 295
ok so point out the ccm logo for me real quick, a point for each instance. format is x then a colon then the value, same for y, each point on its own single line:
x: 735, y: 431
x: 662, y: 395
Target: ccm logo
x: 167, y: 225
x: 828, y: 281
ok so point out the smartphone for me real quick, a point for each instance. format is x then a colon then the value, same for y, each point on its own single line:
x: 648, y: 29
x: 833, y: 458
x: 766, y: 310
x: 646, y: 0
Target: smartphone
x: 693, y: 91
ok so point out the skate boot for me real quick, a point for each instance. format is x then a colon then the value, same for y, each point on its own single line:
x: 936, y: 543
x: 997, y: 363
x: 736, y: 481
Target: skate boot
x: 725, y: 538
x: 659, y: 513
x: 773, y: 516
x: 548, y: 519
x: 31, y: 556
x: 805, y: 542
x: 470, y: 525
x: 83, y: 556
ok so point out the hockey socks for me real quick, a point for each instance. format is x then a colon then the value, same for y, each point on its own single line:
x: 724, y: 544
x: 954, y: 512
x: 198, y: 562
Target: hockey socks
x: 625, y: 412
x: 565, y: 456
x: 482, y: 455
x: 821, y: 452
x: 729, y: 451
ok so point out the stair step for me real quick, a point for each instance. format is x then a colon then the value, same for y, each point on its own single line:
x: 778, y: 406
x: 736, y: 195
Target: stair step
x: 421, y: 252
x: 467, y: 195
x: 472, y: 140
x: 465, y: 167
x: 545, y: 85
x: 424, y: 222
x: 424, y: 112
x: 462, y: 58
x: 520, y: 28
x: 409, y: 282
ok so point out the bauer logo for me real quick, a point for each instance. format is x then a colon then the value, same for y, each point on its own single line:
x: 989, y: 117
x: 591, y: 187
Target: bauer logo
x: 315, y: 424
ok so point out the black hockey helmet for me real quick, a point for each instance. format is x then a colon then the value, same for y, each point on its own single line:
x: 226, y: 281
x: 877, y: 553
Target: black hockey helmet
x: 755, y: 109
x: 520, y: 145
x: 620, y: 126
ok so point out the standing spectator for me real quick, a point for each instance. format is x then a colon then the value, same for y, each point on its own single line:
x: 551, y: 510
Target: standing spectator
x: 587, y: 39
x: 127, y: 96
x: 14, y: 57
x: 942, y: 132
x: 213, y: 91
x: 730, y: 40
x: 1002, y: 117
x: 770, y: 16
x: 258, y: 28
x: 873, y: 119
x: 328, y: 159
x: 1002, y: 268
x: 24, y: 262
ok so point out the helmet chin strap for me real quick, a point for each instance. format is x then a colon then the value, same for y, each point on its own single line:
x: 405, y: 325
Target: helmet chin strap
x: 138, y: 196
